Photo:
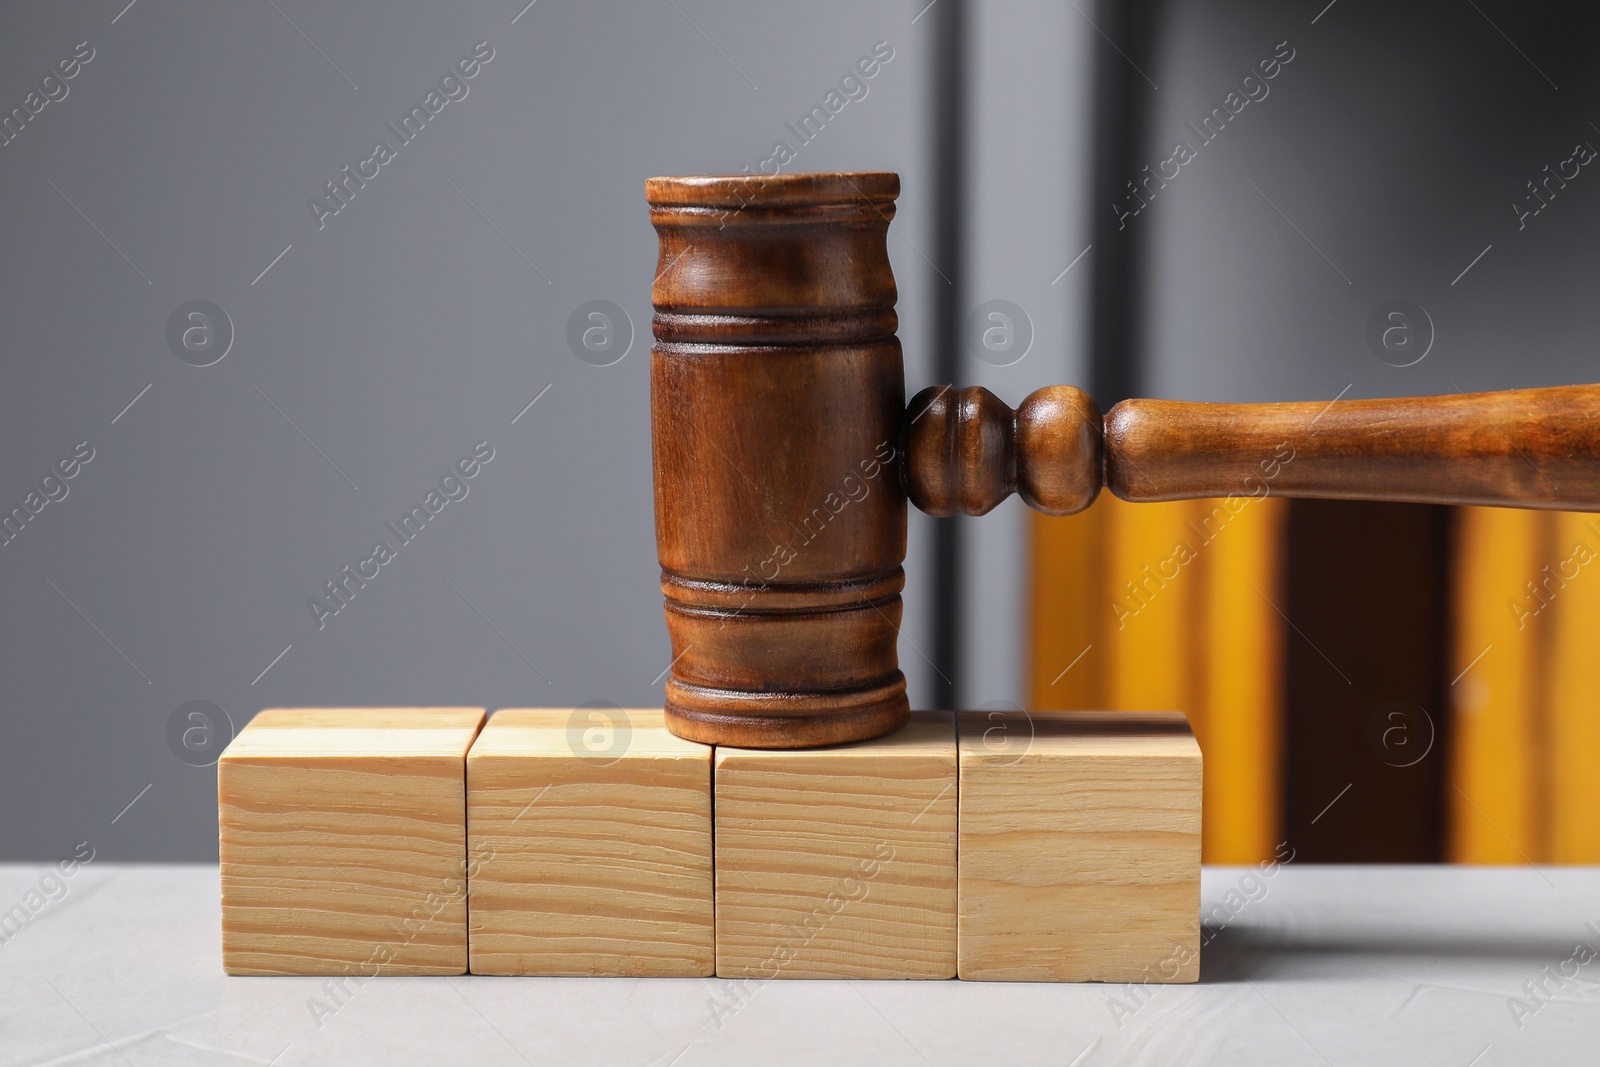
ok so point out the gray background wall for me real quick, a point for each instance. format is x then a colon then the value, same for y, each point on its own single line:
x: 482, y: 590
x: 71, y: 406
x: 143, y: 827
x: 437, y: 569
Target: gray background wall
x: 426, y: 315
x: 1396, y: 142
x: 421, y: 319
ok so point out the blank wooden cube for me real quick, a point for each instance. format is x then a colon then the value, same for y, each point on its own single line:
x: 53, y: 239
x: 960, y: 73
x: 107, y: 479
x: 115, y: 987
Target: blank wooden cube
x: 1080, y: 847
x: 343, y: 841
x: 839, y: 862
x: 592, y: 828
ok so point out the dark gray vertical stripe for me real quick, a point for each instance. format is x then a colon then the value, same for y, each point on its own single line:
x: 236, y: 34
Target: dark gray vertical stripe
x: 1121, y: 123
x: 949, y: 97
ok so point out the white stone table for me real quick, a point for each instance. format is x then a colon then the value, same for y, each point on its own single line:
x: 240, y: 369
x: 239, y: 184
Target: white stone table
x: 1417, y: 966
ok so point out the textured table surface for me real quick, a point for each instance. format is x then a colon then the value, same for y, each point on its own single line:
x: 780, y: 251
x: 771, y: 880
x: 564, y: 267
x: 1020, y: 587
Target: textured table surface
x: 1312, y: 965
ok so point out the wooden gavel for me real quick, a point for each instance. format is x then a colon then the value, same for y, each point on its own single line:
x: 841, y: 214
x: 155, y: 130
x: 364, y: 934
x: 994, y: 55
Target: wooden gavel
x: 784, y: 454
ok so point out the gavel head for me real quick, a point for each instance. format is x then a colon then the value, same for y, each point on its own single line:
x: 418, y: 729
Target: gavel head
x: 777, y: 398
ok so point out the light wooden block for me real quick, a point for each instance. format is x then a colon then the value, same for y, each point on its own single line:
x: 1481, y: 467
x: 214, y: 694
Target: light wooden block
x: 343, y: 841
x: 595, y: 841
x: 1080, y: 847
x: 839, y: 862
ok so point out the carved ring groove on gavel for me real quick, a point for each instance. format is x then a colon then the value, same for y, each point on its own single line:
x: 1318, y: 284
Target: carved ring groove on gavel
x: 784, y: 454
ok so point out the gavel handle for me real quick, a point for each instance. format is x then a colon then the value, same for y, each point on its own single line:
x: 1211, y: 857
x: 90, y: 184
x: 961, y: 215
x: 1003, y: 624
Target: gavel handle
x: 966, y: 451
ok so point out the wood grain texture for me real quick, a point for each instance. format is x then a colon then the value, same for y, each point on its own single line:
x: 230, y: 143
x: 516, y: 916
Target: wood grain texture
x: 777, y: 394
x: 783, y: 455
x: 1198, y: 630
x: 968, y: 451
x: 1080, y: 847
x: 1533, y: 448
x: 342, y: 835
x: 839, y: 862
x: 593, y: 832
x: 1528, y: 448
